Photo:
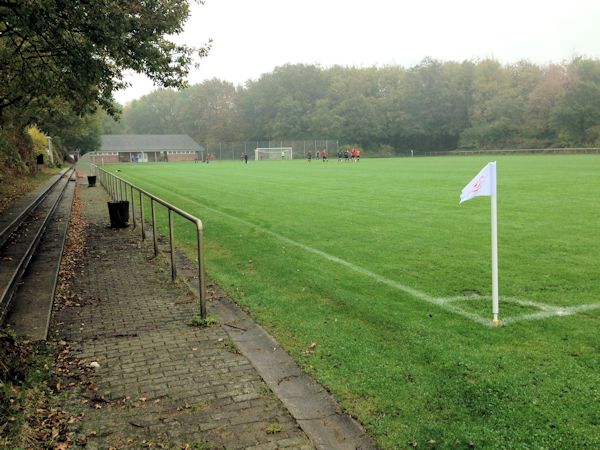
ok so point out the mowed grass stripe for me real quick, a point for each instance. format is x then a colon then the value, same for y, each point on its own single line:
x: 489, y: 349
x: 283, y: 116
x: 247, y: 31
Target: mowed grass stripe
x: 410, y: 372
x: 361, y: 270
x: 403, y: 229
x: 443, y: 302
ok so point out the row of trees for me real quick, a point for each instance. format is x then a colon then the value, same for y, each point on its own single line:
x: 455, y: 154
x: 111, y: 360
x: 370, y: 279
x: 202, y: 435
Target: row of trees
x: 61, y: 61
x: 431, y: 106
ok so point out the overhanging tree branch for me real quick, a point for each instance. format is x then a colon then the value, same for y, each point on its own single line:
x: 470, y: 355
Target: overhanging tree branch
x: 79, y: 51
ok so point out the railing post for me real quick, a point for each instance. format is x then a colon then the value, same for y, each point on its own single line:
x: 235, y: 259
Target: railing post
x: 172, y: 244
x: 142, y: 216
x: 154, y: 227
x: 132, y: 207
x: 201, y: 272
x: 115, y: 188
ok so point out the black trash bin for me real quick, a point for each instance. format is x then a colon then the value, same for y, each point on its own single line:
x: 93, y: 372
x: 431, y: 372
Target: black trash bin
x: 91, y: 180
x: 119, y: 214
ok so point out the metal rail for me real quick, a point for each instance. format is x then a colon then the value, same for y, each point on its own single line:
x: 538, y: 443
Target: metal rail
x: 7, y: 290
x: 6, y: 232
x: 120, y: 189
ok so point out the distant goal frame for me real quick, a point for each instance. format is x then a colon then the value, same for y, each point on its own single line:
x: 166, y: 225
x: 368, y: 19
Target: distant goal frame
x: 273, y: 150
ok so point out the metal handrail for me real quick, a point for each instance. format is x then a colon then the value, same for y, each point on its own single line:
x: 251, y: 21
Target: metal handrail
x: 117, y: 189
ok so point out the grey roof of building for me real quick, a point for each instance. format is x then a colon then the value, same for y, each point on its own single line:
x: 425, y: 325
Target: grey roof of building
x: 148, y: 142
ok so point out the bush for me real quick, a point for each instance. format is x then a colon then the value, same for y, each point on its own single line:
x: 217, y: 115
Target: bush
x: 16, y: 152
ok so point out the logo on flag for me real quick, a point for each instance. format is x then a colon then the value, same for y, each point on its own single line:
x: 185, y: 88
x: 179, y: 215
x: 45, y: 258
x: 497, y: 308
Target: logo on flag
x: 477, y: 184
x: 484, y: 183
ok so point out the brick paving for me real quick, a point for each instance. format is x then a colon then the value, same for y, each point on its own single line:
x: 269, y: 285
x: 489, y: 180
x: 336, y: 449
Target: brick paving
x: 161, y: 382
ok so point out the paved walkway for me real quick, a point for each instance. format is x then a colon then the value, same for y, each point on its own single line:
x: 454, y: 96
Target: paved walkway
x: 161, y: 382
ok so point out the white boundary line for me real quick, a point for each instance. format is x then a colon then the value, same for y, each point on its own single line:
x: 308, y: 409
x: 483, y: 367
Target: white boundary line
x: 546, y: 311
x: 518, y: 301
x: 443, y: 302
x: 557, y: 311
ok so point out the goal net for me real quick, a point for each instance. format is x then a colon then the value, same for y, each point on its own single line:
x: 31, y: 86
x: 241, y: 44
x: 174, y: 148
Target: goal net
x: 273, y: 153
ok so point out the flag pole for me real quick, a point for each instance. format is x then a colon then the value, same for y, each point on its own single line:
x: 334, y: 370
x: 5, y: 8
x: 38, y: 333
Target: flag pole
x: 495, y: 306
x: 484, y: 184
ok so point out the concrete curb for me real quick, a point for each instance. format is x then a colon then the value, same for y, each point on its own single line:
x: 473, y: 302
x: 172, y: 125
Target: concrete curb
x: 315, y: 410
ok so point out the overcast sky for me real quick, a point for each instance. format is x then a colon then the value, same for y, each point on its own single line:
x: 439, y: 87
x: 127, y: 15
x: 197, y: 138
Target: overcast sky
x: 252, y: 37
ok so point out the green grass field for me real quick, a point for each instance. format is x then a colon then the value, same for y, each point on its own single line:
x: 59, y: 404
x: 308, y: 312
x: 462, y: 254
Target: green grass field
x: 379, y: 266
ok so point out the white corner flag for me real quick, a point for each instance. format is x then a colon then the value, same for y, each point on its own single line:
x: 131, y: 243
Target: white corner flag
x: 484, y: 184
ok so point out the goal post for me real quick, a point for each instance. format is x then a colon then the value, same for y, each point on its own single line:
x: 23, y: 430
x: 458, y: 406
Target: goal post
x: 273, y: 153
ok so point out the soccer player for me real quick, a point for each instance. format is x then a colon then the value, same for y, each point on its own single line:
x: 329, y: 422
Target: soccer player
x: 246, y: 158
x: 358, y: 155
x: 340, y: 155
x: 309, y: 156
x: 282, y: 155
x: 324, y: 155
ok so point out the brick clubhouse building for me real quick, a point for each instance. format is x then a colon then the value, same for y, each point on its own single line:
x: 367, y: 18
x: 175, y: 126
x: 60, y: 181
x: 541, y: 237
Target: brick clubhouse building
x: 147, y: 148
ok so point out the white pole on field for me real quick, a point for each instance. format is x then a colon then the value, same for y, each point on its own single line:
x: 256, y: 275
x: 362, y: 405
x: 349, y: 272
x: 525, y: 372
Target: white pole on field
x: 484, y: 184
x: 495, y: 306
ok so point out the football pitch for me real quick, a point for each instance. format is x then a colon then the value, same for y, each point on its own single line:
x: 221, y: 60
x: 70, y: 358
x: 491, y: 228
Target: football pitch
x: 374, y: 278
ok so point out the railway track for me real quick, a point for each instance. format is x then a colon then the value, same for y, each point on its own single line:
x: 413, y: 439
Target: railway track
x: 32, y: 235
